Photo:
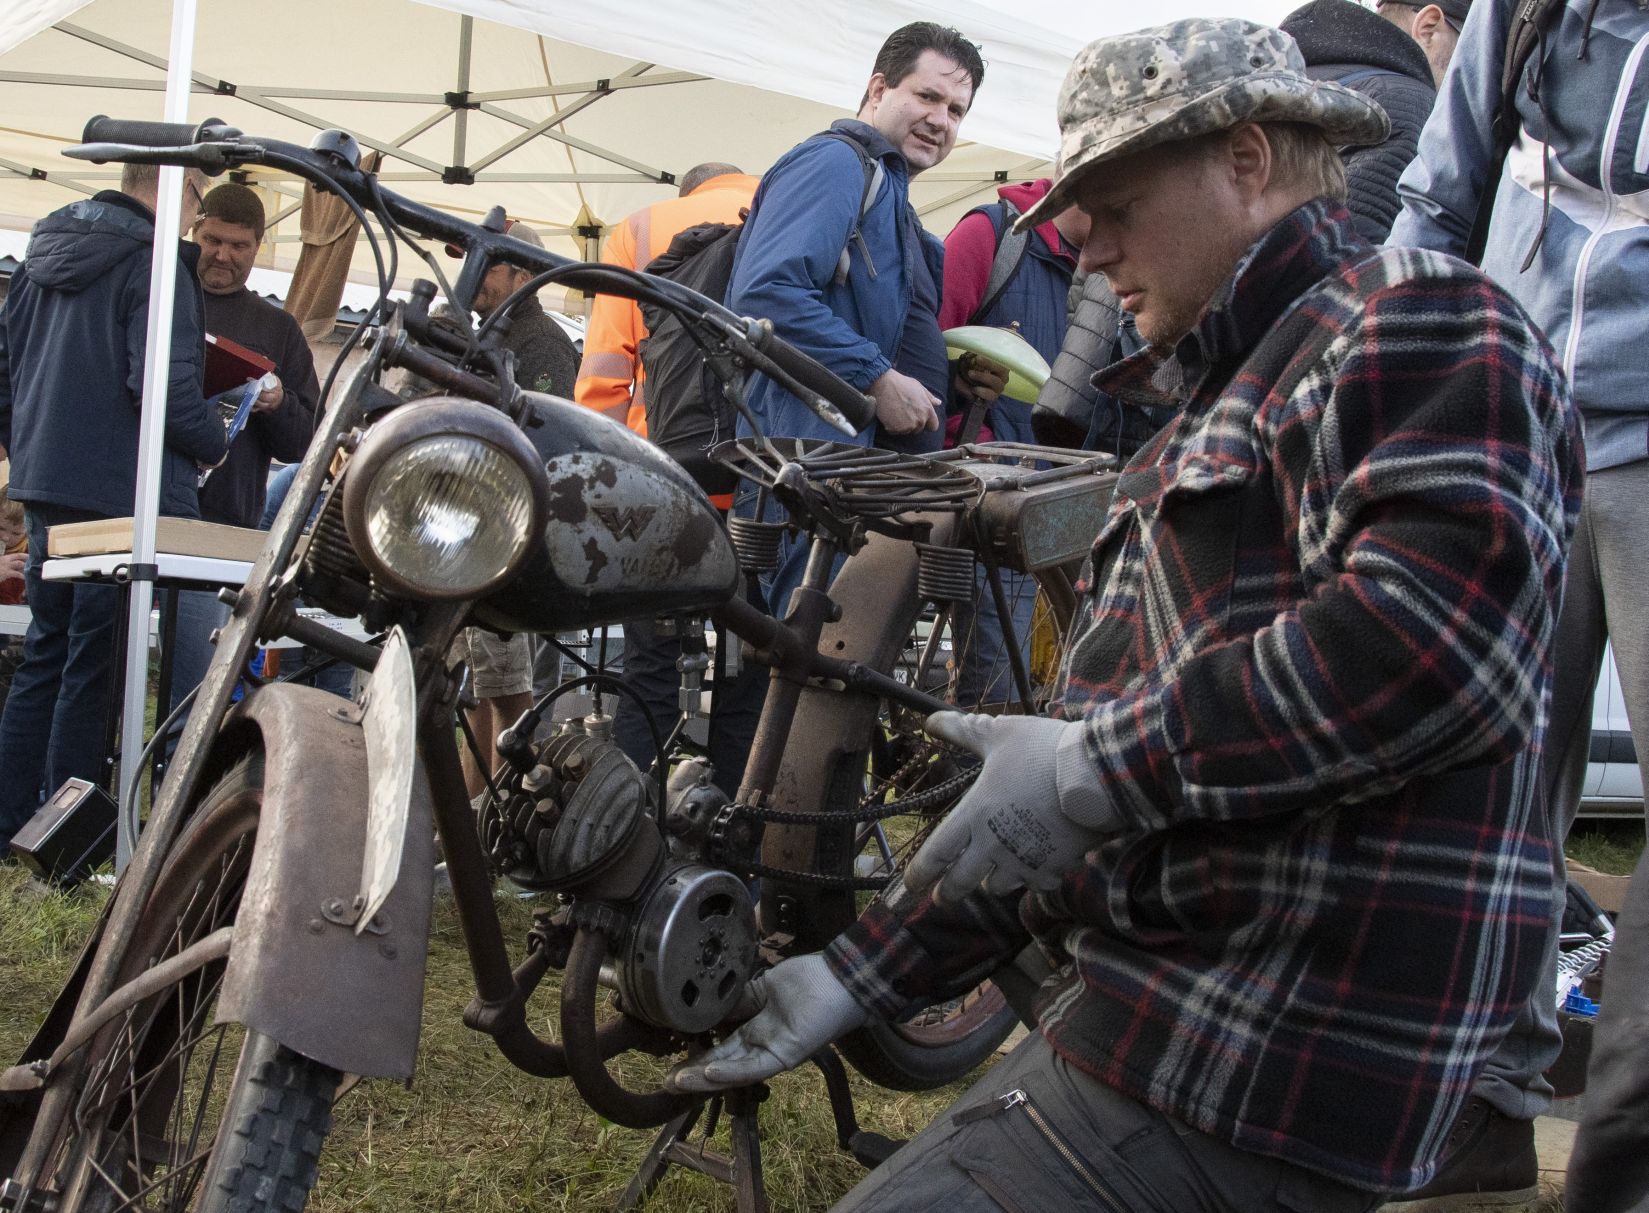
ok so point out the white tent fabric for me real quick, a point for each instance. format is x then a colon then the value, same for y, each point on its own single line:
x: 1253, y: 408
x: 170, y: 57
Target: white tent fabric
x: 687, y: 81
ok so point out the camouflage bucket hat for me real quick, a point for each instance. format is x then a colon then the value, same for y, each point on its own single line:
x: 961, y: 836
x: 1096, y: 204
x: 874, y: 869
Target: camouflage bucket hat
x: 1193, y: 77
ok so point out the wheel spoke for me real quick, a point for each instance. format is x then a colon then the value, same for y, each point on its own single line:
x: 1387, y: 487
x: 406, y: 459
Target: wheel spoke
x: 144, y: 1123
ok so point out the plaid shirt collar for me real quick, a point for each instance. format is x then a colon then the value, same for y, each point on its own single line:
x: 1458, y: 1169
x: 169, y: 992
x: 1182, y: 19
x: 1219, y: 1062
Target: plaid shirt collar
x: 1276, y: 271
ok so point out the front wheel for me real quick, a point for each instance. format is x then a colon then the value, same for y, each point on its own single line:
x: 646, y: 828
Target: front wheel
x: 174, y: 1110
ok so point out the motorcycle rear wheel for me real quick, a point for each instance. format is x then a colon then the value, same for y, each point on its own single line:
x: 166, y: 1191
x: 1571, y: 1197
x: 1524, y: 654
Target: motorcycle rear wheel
x: 944, y: 1042
x: 175, y: 1111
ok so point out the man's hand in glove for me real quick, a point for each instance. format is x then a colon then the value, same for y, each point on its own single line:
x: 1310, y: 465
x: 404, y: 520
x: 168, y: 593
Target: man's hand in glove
x: 800, y: 1006
x: 1035, y: 810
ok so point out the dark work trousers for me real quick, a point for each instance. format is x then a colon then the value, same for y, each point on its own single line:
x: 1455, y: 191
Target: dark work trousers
x: 650, y: 671
x: 55, y: 719
x: 1035, y: 1134
x: 1609, y: 1168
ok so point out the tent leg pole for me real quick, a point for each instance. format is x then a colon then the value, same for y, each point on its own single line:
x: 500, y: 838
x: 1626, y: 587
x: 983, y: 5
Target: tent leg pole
x: 157, y: 368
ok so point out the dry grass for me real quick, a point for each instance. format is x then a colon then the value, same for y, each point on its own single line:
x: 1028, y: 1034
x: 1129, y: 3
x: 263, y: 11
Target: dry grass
x: 472, y: 1133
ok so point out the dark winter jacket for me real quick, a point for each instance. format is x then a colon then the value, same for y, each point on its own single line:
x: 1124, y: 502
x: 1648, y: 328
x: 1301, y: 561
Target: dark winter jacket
x: 71, y: 364
x: 1350, y: 45
x: 234, y: 493
x: 801, y: 219
x: 546, y: 360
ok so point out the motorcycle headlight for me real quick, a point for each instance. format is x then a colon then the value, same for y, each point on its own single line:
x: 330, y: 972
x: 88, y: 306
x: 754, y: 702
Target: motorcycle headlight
x: 445, y: 499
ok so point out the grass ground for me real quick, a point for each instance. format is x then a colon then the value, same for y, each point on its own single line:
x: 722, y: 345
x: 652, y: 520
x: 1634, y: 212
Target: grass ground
x: 1610, y: 846
x: 471, y: 1133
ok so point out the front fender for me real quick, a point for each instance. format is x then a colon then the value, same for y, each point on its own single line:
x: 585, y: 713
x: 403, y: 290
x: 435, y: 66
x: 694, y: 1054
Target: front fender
x: 297, y: 970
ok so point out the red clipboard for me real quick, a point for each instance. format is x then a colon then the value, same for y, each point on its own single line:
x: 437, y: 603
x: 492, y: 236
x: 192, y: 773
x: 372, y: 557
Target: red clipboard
x: 229, y: 364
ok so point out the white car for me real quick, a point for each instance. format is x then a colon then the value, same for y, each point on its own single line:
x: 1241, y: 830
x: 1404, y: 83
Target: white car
x: 1614, y: 786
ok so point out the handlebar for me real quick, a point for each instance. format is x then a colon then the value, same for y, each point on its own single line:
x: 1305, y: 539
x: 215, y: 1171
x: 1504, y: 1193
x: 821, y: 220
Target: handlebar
x: 831, y: 391
x: 333, y: 164
x: 104, y: 129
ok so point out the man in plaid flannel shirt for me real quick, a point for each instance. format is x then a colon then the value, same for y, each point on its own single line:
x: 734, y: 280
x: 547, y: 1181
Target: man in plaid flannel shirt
x: 1278, y: 843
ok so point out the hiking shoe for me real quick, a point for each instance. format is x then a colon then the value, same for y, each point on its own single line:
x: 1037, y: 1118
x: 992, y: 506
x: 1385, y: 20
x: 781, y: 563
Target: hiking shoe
x: 1488, y: 1163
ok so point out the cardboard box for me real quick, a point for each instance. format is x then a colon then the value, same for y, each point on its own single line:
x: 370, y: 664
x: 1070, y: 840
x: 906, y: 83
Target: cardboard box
x: 181, y: 536
x: 1608, y: 891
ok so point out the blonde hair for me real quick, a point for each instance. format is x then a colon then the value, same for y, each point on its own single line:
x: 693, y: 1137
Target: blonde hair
x: 1301, y: 156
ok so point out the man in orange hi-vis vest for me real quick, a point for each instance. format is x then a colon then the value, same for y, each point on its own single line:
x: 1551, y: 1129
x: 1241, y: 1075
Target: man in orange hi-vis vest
x: 610, y: 377
x: 610, y: 381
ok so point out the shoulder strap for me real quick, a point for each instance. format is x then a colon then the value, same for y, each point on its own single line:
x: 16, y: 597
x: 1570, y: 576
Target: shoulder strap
x: 1523, y: 39
x: 1011, y: 247
x: 875, y: 172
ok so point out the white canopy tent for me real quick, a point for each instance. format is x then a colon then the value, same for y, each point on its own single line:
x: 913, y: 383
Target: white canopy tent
x: 569, y: 115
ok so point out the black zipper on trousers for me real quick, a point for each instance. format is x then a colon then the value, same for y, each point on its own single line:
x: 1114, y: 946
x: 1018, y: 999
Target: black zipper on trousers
x: 1018, y: 1099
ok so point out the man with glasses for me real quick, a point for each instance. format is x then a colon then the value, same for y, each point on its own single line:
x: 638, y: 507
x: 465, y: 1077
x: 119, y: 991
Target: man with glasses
x: 72, y: 343
x: 1436, y: 27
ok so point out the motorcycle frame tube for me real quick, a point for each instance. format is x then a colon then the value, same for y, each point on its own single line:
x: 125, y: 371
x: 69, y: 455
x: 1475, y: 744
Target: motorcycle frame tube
x: 235, y: 643
x: 500, y: 1009
x: 810, y: 608
x: 827, y: 725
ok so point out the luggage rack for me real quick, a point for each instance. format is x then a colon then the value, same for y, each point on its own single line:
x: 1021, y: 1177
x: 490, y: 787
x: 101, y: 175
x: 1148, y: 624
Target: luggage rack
x: 836, y: 486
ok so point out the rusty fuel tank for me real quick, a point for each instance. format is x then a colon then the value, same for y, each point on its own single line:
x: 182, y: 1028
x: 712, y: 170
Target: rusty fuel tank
x: 629, y: 533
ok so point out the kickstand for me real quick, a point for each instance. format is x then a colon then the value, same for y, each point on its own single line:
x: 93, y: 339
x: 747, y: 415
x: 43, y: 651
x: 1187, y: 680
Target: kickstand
x: 870, y: 1149
x: 743, y: 1170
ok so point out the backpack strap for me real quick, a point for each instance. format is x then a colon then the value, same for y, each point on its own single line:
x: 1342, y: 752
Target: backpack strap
x: 1526, y: 35
x: 875, y: 173
x: 1011, y: 247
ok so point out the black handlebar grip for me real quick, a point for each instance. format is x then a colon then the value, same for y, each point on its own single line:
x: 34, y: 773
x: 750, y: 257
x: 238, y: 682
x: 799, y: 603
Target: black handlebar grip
x: 859, y: 409
x: 104, y: 129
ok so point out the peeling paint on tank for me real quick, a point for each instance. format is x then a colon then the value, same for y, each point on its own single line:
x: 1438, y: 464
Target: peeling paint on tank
x: 597, y: 559
x: 568, y: 498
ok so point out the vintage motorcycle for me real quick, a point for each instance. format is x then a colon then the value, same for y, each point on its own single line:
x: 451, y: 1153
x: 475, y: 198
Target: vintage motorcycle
x: 270, y: 933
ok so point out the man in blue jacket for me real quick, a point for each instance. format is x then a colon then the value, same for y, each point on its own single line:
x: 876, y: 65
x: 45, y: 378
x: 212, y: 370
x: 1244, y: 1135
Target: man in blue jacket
x: 71, y: 388
x: 877, y: 324
x: 1569, y: 240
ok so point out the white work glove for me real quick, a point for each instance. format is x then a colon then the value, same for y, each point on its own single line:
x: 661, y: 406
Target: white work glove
x: 800, y: 1006
x: 1035, y: 810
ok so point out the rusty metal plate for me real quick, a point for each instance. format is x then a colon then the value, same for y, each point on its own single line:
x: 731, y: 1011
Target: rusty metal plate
x: 390, y: 724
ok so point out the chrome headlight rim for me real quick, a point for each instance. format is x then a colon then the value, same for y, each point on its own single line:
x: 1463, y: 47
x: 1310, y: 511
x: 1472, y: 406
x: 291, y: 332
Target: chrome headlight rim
x: 429, y: 420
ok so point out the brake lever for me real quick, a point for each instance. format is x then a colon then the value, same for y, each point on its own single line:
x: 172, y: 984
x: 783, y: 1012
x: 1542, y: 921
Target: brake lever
x: 209, y: 157
x: 740, y: 342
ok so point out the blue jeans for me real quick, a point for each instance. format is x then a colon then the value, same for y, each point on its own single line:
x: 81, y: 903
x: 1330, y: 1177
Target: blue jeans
x: 984, y: 668
x: 56, y: 719
x: 199, y: 614
x: 650, y: 671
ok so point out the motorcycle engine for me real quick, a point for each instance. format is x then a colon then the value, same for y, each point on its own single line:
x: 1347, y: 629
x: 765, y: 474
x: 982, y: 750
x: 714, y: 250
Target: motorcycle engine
x: 580, y: 824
